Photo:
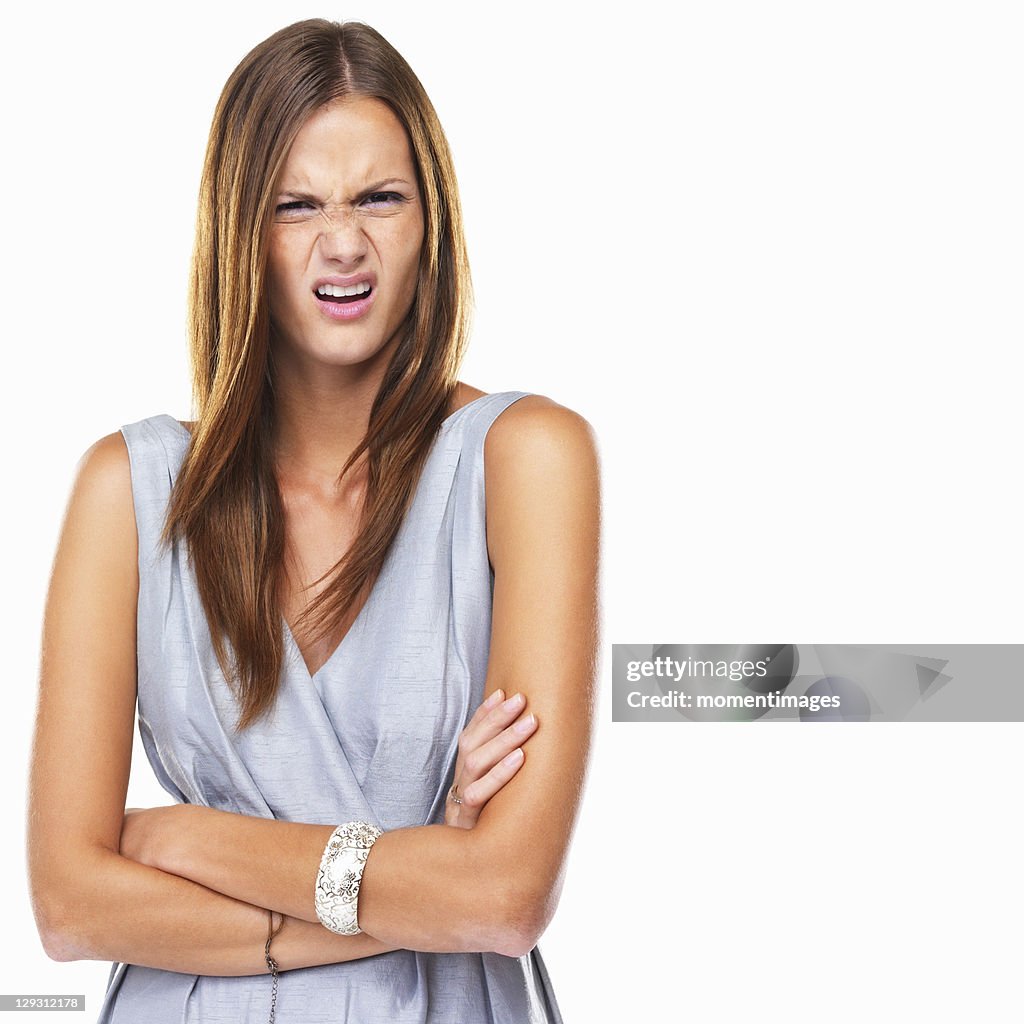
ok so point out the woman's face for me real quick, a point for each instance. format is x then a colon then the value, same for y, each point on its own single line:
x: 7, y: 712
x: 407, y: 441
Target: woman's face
x: 346, y: 239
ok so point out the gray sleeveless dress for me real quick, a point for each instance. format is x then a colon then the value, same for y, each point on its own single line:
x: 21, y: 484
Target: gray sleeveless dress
x: 371, y: 736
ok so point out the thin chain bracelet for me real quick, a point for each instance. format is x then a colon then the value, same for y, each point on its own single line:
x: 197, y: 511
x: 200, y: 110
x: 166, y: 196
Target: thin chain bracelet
x: 271, y: 962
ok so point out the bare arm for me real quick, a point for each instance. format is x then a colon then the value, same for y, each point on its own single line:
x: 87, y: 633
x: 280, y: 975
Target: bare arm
x: 543, y: 524
x: 495, y: 887
x: 90, y: 902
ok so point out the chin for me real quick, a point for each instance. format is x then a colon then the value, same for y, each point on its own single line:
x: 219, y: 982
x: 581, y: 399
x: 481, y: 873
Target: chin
x: 337, y: 351
x: 334, y: 344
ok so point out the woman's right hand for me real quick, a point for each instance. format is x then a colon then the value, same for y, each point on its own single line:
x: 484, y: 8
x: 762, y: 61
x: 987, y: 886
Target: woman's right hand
x: 490, y: 754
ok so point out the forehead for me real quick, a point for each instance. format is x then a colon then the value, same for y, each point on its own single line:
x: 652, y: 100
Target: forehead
x: 348, y: 141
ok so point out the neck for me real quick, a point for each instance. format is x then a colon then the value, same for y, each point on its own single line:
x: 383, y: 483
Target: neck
x: 319, y: 417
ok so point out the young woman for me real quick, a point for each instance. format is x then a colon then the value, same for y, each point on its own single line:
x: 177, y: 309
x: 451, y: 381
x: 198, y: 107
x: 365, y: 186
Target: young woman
x: 365, y: 677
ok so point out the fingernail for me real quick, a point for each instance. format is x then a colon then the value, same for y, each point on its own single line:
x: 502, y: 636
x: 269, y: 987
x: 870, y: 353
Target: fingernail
x: 526, y: 725
x: 514, y: 758
x: 514, y: 702
x: 495, y: 698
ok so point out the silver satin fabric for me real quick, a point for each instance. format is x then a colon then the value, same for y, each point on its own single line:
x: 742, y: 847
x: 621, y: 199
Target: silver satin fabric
x: 372, y: 736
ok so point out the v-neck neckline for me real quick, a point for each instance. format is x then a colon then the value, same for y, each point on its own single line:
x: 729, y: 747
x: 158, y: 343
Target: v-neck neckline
x: 289, y: 637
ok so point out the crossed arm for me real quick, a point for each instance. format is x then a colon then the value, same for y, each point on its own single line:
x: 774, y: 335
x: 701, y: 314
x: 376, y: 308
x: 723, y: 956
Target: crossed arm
x: 198, y: 905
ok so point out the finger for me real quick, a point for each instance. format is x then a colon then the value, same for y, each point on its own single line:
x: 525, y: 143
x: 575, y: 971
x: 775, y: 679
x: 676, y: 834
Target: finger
x: 478, y: 793
x: 457, y: 812
x: 480, y: 761
x: 497, y: 716
x: 476, y: 723
x: 465, y: 814
x: 487, y: 706
x: 479, y: 732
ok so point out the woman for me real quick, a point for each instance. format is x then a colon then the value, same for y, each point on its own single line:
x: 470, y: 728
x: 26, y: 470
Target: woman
x: 316, y: 655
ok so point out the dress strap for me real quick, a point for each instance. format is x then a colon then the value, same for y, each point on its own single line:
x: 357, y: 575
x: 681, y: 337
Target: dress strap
x: 156, y: 446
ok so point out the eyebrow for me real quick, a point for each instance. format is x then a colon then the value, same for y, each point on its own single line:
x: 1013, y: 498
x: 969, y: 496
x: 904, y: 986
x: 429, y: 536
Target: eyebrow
x: 298, y: 194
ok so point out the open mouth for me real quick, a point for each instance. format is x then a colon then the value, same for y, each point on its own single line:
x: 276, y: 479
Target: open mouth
x: 341, y: 294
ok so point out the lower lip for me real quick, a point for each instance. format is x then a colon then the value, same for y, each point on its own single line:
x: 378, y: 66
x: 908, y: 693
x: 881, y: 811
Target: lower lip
x: 346, y: 310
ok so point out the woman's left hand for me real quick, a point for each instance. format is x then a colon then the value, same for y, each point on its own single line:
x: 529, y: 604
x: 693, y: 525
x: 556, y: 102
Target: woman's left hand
x: 490, y: 754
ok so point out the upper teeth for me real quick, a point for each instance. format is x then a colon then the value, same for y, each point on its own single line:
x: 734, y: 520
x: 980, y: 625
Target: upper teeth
x: 337, y: 290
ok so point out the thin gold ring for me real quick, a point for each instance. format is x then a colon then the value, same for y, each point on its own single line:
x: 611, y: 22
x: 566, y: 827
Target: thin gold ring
x: 453, y: 795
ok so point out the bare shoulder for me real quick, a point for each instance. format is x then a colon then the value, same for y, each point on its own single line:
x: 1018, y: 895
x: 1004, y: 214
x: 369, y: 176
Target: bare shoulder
x: 98, y: 534
x: 538, y: 435
x: 106, y: 459
x: 542, y: 472
x: 103, y: 482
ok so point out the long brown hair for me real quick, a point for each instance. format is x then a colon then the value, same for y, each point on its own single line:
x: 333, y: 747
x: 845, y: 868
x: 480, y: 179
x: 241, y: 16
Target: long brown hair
x: 226, y: 504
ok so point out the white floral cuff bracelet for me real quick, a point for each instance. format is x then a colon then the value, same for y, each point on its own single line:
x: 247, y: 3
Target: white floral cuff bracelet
x: 336, y: 896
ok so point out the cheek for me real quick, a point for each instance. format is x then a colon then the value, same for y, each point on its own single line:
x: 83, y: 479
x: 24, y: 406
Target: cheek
x: 283, y: 268
x: 274, y: 276
x: 406, y: 249
x: 275, y: 296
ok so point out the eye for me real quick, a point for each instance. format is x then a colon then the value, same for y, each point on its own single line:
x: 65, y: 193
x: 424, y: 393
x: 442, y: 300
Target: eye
x: 292, y: 206
x: 380, y: 199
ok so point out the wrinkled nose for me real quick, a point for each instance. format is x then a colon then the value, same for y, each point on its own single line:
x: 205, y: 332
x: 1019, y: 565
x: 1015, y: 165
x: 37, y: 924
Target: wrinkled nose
x: 342, y: 238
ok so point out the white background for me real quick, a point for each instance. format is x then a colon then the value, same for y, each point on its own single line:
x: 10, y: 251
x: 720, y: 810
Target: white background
x: 773, y: 253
